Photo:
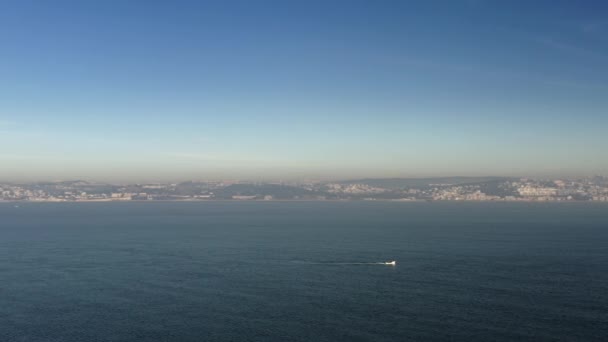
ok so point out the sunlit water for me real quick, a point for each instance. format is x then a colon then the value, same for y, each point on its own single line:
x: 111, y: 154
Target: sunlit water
x: 303, y: 271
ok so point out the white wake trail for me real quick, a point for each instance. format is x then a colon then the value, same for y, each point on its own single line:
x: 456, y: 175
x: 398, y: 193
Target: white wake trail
x: 386, y: 263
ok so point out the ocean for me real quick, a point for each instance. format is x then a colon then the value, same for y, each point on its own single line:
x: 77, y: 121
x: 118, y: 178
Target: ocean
x: 303, y: 271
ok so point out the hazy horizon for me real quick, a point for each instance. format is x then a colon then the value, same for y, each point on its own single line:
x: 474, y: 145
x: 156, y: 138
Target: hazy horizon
x: 286, y: 180
x: 262, y: 175
x: 271, y: 90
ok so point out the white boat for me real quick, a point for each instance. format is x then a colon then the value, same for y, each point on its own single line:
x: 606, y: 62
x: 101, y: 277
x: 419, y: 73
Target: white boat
x: 391, y: 263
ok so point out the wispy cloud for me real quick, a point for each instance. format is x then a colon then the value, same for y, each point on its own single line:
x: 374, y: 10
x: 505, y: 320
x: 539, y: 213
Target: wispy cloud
x: 7, y: 123
x: 594, y: 26
x: 223, y: 158
x: 499, y: 73
x: 428, y: 63
x: 193, y: 156
x: 16, y: 133
x: 32, y: 157
x: 577, y: 85
x: 568, y: 48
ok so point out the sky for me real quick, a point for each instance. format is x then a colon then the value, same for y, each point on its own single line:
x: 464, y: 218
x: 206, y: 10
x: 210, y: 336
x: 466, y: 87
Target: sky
x: 128, y: 91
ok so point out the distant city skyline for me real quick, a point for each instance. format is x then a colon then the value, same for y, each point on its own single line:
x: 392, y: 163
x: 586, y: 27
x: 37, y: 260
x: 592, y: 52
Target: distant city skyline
x: 152, y: 91
x: 389, y: 189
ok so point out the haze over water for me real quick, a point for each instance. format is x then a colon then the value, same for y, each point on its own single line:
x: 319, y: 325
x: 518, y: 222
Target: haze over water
x: 287, y: 271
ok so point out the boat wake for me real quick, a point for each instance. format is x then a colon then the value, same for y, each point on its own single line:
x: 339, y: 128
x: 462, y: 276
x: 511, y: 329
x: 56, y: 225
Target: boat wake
x: 387, y: 263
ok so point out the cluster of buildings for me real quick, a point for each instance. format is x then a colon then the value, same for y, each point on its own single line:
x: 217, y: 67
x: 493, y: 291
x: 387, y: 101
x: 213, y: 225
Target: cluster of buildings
x: 593, y: 189
x: 504, y: 189
x: 353, y: 189
x: 459, y: 193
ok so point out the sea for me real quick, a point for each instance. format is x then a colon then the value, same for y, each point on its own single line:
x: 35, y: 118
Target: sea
x: 303, y: 271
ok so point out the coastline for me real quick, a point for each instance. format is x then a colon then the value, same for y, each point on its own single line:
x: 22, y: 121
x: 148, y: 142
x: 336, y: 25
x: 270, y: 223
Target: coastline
x: 301, y: 200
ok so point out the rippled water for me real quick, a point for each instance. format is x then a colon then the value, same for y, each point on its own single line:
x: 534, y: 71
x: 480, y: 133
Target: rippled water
x: 303, y: 271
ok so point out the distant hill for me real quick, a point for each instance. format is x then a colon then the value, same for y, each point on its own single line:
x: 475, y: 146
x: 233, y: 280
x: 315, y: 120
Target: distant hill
x: 56, y: 188
x: 404, y: 183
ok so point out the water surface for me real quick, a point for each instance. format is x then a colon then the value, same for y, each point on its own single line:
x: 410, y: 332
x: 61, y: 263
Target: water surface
x: 303, y: 271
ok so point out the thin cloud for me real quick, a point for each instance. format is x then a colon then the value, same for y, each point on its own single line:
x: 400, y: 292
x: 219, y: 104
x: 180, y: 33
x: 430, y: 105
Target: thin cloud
x: 194, y: 156
x: 12, y: 133
x: 7, y: 123
x: 568, y: 48
x: 226, y: 158
x: 500, y: 73
x: 568, y: 84
x: 426, y: 63
x: 27, y: 157
x: 594, y: 27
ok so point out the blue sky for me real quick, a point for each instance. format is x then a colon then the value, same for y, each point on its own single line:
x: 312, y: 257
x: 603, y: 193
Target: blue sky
x: 175, y: 90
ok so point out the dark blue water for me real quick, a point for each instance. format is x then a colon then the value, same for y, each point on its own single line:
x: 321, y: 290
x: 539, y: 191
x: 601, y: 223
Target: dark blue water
x: 288, y: 271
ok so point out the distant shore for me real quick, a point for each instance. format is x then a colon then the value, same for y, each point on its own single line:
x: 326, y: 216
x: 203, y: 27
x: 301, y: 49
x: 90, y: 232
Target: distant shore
x: 302, y: 200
